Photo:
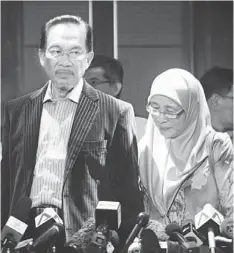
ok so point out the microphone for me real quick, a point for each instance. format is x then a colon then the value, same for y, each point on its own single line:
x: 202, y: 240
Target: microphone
x: 16, y: 225
x: 47, y: 239
x: 224, y: 242
x: 98, y: 234
x: 81, y: 239
x: 151, y: 235
x: 142, y: 220
x: 43, y: 222
x: 108, y: 217
x: 226, y: 227
x: 207, y: 222
x: 190, y: 233
x: 46, y: 220
x: 108, y: 213
x: 175, y: 233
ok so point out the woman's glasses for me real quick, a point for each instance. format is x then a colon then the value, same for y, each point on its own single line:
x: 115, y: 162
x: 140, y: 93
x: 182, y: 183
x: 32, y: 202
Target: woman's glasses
x: 155, y: 112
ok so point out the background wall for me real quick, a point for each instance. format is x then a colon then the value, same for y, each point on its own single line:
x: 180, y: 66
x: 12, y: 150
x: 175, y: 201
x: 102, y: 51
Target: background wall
x: 152, y: 37
x: 153, y: 40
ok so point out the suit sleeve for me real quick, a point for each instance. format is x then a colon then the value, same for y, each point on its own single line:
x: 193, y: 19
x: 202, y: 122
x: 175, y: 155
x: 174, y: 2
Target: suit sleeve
x: 5, y: 170
x: 126, y: 173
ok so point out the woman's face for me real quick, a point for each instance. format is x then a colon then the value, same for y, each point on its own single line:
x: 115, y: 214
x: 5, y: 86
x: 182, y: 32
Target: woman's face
x: 168, y: 116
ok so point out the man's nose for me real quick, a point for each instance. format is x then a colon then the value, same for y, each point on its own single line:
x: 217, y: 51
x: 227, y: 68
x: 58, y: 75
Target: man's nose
x: 65, y: 60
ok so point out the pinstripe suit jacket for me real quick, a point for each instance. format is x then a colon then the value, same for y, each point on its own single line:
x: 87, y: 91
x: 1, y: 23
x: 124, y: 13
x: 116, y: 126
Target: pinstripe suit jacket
x: 101, y: 160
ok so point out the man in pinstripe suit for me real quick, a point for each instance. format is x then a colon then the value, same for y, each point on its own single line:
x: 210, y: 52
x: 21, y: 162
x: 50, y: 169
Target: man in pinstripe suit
x: 68, y: 145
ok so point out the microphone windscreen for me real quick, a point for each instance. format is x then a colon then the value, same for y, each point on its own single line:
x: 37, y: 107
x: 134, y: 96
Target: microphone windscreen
x: 158, y: 229
x: 226, y: 227
x: 151, y: 235
x: 48, y: 239
x: 142, y: 219
x: 173, y: 227
x: 83, y: 237
x: 114, y: 238
x: 149, y: 241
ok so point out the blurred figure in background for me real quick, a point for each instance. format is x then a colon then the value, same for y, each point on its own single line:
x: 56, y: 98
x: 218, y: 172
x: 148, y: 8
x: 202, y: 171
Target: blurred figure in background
x: 106, y: 74
x: 218, y: 87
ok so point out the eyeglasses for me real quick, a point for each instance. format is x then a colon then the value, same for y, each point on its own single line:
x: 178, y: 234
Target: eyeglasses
x: 227, y: 97
x: 155, y: 112
x: 96, y: 82
x: 73, y: 55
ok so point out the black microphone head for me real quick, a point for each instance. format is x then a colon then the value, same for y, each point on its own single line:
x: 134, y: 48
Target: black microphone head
x: 149, y: 241
x: 142, y: 219
x: 173, y: 227
x: 150, y: 236
x: 47, y: 239
x: 22, y: 210
x: 114, y: 238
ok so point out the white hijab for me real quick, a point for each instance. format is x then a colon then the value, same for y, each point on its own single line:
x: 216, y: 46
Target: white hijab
x: 165, y: 163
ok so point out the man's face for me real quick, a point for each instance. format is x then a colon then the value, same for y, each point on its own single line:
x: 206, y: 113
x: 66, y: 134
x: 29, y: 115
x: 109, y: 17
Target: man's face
x: 96, y: 77
x: 226, y: 110
x: 65, y: 57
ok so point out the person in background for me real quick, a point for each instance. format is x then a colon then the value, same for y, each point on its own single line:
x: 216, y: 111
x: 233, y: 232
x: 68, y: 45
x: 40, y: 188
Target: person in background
x: 67, y: 145
x: 184, y: 163
x: 217, y: 83
x: 106, y: 74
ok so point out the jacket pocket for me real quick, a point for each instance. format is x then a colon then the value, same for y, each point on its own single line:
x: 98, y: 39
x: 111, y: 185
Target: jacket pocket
x: 94, y: 153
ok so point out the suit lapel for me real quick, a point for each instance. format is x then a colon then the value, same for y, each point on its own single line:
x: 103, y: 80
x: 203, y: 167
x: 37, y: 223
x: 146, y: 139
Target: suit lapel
x: 87, y: 109
x: 33, y: 110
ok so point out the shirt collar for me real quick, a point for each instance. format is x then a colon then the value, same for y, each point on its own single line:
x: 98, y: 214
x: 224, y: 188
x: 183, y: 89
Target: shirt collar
x: 74, y: 95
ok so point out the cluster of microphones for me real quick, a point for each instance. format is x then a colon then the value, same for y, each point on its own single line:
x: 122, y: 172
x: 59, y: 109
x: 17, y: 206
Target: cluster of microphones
x: 99, y: 234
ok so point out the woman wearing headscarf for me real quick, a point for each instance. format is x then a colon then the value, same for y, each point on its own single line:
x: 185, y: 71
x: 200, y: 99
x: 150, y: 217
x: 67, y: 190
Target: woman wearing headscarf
x: 175, y: 160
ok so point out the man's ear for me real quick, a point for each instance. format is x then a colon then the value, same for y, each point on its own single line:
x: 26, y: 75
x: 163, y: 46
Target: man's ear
x: 215, y: 101
x: 89, y: 58
x: 41, y: 55
x: 118, y: 87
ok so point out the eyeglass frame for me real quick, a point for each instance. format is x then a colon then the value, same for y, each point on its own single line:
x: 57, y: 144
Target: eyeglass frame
x: 94, y: 84
x: 149, y: 109
x: 82, y: 56
x: 227, y: 97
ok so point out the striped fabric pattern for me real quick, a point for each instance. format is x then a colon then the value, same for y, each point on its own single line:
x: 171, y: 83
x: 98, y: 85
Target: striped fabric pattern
x: 56, y: 121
